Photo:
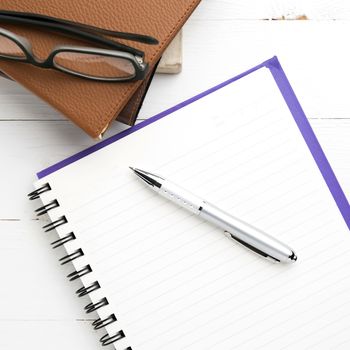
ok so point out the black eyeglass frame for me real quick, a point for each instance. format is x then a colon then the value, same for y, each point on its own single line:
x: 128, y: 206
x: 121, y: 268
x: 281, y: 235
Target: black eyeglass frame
x: 140, y: 67
x: 81, y: 31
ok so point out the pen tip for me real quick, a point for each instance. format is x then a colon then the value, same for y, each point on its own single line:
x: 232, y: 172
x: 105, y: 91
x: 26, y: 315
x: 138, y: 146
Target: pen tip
x: 293, y: 257
x: 131, y: 168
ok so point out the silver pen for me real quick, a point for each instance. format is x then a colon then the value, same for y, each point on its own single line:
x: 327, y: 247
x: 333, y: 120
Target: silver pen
x: 249, y: 236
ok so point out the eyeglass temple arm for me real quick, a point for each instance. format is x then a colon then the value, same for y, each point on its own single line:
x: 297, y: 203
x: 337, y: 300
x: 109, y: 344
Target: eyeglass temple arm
x: 72, y: 31
x: 145, y: 39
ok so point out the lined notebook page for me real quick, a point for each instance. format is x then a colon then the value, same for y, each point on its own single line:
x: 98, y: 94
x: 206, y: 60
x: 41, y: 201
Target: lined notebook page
x: 176, y: 282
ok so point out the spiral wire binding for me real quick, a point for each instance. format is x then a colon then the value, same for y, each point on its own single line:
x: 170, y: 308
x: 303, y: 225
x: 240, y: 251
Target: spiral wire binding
x: 36, y: 194
x: 60, y: 242
x: 86, y: 290
x: 46, y: 208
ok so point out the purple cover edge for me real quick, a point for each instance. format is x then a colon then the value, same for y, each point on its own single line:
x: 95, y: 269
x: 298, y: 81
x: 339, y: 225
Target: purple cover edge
x: 310, y: 138
x: 294, y: 106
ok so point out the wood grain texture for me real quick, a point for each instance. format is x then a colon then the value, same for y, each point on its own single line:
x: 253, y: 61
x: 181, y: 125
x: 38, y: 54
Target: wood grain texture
x: 38, y: 307
x: 269, y: 9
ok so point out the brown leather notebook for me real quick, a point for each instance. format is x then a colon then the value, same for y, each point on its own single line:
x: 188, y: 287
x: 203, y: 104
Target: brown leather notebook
x: 94, y: 105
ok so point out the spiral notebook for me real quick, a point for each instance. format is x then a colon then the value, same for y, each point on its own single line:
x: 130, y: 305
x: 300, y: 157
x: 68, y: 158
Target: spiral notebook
x: 156, y: 277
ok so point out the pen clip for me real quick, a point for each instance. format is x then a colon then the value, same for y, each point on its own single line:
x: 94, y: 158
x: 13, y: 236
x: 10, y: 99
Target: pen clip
x: 255, y: 250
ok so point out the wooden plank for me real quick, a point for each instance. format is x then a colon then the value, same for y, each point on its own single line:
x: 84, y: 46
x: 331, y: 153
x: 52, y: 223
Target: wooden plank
x: 48, y: 334
x: 19, y: 104
x: 269, y: 9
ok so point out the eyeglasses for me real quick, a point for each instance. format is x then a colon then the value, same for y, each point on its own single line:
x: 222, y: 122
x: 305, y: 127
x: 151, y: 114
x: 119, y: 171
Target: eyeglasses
x: 118, y: 63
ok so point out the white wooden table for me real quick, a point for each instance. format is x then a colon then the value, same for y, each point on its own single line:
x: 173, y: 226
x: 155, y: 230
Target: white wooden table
x: 38, y: 308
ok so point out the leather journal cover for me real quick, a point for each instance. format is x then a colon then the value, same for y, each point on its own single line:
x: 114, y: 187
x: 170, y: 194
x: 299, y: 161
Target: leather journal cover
x: 91, y: 105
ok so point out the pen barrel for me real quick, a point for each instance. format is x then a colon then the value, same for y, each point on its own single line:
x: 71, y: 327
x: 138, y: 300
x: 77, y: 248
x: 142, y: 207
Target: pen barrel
x: 181, y: 197
x: 247, y: 235
x: 251, y: 237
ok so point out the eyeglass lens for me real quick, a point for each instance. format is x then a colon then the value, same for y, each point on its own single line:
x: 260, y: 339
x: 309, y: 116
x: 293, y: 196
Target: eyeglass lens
x: 9, y: 48
x: 94, y: 65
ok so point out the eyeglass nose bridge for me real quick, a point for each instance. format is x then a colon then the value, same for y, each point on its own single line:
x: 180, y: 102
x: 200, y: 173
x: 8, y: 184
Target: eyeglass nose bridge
x: 34, y: 59
x: 45, y: 63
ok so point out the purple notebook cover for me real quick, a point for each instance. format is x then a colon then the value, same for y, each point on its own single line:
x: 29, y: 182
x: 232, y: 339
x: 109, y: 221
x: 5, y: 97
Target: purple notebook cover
x: 294, y: 106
